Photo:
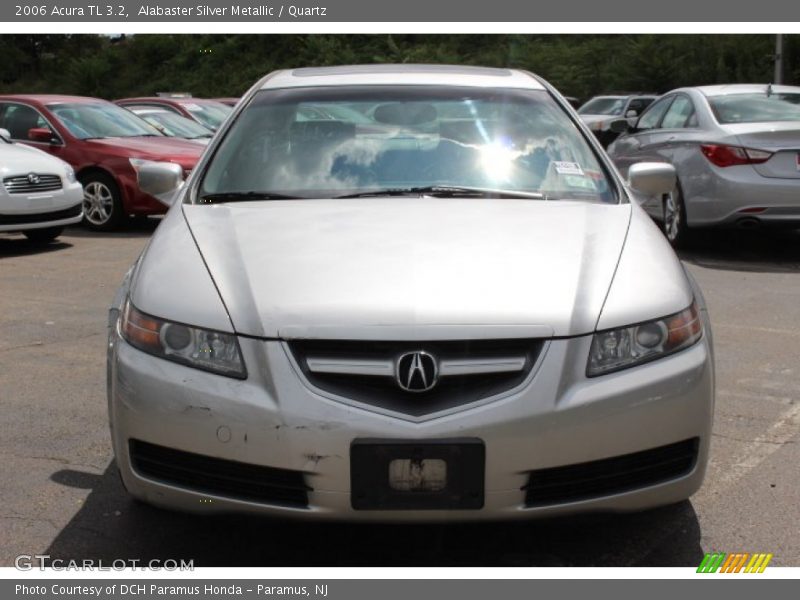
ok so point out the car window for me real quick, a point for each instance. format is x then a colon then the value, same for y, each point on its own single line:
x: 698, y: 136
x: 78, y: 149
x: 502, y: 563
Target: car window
x: 97, y: 120
x: 415, y: 136
x: 755, y: 108
x: 19, y: 119
x: 146, y: 105
x: 603, y: 106
x: 210, y: 114
x: 653, y: 114
x: 679, y: 113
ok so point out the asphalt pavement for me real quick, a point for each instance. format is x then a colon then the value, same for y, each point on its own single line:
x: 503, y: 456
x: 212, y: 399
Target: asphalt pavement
x: 60, y: 495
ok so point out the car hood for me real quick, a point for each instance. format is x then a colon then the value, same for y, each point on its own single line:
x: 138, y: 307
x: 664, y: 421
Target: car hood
x: 411, y: 268
x: 16, y: 159
x: 155, y: 148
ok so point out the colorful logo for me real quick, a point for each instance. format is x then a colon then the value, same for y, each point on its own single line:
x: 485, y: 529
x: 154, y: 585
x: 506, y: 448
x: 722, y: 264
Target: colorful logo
x: 741, y: 562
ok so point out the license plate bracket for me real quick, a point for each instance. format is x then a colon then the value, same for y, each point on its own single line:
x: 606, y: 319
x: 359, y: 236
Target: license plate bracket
x: 370, y: 486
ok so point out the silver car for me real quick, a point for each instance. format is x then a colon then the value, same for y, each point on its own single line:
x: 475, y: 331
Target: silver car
x: 736, y: 149
x: 449, y: 311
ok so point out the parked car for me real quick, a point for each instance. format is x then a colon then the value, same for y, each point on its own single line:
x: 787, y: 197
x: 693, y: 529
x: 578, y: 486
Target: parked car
x: 454, y: 312
x: 39, y: 195
x: 106, y: 145
x: 599, y: 112
x: 174, y: 125
x: 736, y: 149
x: 208, y: 113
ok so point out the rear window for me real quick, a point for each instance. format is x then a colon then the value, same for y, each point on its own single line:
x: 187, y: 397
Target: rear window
x: 755, y: 108
x: 327, y: 142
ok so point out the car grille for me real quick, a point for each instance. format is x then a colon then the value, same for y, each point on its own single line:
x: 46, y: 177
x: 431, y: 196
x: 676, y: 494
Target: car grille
x: 383, y: 390
x: 610, y: 476
x: 21, y: 184
x: 219, y: 477
x: 58, y: 215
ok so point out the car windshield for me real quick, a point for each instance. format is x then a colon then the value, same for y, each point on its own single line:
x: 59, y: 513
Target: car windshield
x: 210, y: 114
x: 603, y: 106
x: 176, y: 126
x: 755, y: 108
x: 436, y: 139
x: 101, y: 120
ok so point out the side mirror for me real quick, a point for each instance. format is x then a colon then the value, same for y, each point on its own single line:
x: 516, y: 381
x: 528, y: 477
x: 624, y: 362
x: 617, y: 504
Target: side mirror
x: 632, y: 114
x: 5, y: 133
x: 42, y: 134
x: 619, y: 126
x: 652, y: 178
x: 160, y: 180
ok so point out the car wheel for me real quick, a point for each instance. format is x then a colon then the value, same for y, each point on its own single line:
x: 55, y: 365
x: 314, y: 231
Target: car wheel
x: 674, y: 219
x: 43, y: 236
x: 102, y: 203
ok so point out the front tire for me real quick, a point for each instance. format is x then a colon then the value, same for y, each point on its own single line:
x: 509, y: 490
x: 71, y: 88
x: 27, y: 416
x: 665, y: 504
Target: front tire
x: 102, y: 202
x: 43, y: 236
x: 674, y: 223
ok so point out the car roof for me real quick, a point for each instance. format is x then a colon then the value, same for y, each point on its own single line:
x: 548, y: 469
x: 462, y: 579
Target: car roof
x: 51, y: 98
x: 443, y: 75
x: 169, y: 100
x: 745, y: 88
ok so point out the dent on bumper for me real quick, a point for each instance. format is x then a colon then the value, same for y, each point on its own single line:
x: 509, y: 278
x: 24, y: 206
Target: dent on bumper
x: 273, y: 419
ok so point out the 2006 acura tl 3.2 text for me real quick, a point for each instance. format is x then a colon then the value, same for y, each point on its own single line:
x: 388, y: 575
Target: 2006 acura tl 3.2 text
x: 409, y: 293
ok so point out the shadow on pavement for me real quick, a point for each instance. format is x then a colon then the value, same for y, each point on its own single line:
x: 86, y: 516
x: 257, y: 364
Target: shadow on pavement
x: 111, y: 526
x: 765, y: 251
x: 19, y: 245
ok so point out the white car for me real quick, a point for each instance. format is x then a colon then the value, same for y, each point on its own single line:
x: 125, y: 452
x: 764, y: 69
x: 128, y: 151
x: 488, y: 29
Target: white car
x: 39, y: 194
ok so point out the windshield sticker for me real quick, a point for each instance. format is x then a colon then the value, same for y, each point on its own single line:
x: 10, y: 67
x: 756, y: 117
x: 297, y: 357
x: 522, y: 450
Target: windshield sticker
x: 567, y: 168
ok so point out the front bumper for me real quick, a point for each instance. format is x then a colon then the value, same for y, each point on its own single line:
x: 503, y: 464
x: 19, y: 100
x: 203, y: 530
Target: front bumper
x: 274, y: 419
x: 23, y: 212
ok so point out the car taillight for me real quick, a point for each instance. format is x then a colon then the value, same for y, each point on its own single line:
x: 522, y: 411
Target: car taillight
x: 728, y: 156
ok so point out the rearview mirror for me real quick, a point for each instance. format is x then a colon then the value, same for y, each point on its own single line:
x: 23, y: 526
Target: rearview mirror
x: 619, y: 126
x: 160, y: 180
x: 652, y: 178
x: 42, y: 134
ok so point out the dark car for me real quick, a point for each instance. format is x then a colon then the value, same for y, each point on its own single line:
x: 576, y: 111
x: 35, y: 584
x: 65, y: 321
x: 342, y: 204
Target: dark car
x: 105, y: 145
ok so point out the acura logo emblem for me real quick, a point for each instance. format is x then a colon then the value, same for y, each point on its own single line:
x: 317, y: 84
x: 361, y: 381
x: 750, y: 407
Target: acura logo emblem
x: 33, y: 178
x: 416, y: 371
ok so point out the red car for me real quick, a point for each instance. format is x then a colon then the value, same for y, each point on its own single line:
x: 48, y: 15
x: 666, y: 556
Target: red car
x: 208, y: 113
x: 104, y: 143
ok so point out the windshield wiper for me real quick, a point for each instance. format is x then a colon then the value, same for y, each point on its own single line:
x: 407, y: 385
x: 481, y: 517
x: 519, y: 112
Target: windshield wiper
x: 244, y: 197
x: 447, y: 191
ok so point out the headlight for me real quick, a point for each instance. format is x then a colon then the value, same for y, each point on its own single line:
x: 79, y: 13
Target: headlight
x: 194, y: 347
x: 625, y: 347
x: 69, y: 173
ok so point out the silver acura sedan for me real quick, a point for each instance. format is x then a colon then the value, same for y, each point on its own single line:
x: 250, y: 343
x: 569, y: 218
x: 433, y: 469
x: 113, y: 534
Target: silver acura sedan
x: 444, y: 308
x: 736, y: 149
